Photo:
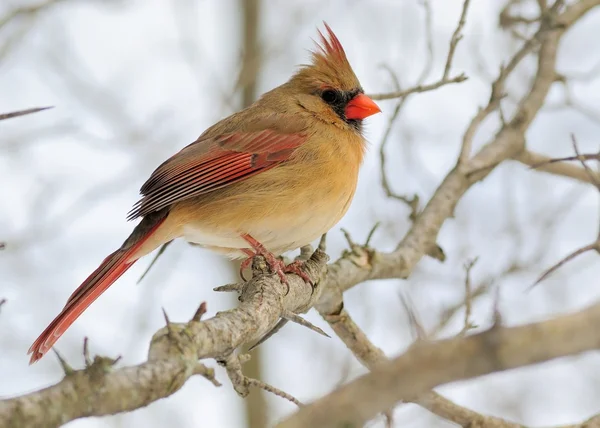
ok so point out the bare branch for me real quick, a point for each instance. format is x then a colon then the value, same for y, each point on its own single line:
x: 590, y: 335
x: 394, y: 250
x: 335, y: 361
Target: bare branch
x: 419, y: 88
x: 555, y: 166
x: 241, y: 383
x: 595, y: 180
x: 429, y: 364
x: 4, y: 116
x: 455, y: 39
x: 445, y: 79
x: 467, y: 325
x: 173, y: 356
x: 102, y: 389
x: 571, y: 256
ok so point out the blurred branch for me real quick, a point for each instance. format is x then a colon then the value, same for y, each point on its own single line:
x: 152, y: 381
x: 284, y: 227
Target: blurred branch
x: 547, y: 164
x: 26, y: 11
x: 412, y: 202
x: 594, y: 246
x: 419, y: 88
x: 256, y: 407
x: 356, y: 403
x: 370, y: 356
x: 101, y: 389
x: 445, y: 79
x: 510, y: 139
x: 429, y: 364
x: 25, y: 15
x: 4, y: 116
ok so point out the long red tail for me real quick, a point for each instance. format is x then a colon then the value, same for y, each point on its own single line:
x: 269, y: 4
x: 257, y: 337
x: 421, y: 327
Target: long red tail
x: 97, y: 283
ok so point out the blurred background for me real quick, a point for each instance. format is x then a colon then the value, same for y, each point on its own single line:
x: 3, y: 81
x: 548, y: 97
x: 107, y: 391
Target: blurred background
x: 134, y: 81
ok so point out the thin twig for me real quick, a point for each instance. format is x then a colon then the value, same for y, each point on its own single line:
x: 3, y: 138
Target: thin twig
x: 419, y: 88
x: 456, y: 37
x: 467, y: 324
x: 278, y: 392
x: 158, y: 254
x: 12, y: 114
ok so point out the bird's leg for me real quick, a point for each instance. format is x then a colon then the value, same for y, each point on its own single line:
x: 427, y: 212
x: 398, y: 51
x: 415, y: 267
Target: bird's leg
x: 276, y: 265
x: 246, y: 263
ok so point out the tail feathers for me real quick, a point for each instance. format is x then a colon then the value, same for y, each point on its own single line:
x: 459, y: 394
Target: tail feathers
x: 97, y: 283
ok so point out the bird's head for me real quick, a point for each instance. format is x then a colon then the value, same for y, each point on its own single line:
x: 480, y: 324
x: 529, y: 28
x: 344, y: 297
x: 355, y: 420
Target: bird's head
x: 328, y: 87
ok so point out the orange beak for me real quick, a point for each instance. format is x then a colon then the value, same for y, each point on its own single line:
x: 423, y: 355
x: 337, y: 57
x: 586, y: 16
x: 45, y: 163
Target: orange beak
x: 361, y: 107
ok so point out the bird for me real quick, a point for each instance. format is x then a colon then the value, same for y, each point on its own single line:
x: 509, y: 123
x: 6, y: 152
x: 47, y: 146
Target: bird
x: 268, y: 179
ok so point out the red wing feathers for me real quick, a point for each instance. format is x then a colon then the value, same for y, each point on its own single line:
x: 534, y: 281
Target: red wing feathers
x: 212, y: 163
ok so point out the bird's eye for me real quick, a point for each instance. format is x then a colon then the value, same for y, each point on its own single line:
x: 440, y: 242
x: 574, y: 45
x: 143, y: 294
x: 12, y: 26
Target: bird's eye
x: 330, y: 96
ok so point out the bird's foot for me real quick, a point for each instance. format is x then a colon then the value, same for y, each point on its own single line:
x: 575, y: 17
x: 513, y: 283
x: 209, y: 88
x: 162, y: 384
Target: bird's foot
x: 296, y: 268
x: 276, y: 265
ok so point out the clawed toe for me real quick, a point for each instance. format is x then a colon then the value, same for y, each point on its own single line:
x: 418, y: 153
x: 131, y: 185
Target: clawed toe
x: 296, y: 268
x: 275, y: 264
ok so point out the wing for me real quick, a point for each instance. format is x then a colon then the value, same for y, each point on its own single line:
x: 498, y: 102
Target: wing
x: 214, y: 162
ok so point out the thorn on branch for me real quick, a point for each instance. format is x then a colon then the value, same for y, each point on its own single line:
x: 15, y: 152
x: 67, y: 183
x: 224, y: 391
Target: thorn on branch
x: 101, y: 365
x: 67, y: 369
x: 86, y: 353
x: 170, y: 329
x: 282, y: 322
x: 371, y: 233
x: 360, y: 255
x: 323, y: 243
x: 290, y: 316
x: 348, y: 237
x: 199, y: 312
x: 237, y: 287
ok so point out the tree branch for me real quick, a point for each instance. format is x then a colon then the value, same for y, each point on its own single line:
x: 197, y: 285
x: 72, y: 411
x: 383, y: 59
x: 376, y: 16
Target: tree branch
x: 543, y: 163
x: 172, y: 358
x: 430, y: 364
x: 101, y: 389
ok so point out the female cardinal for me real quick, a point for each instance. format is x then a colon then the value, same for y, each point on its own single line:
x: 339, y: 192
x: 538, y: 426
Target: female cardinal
x: 268, y: 179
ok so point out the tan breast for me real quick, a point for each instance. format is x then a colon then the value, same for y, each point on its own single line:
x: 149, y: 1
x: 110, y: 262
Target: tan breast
x: 285, y: 207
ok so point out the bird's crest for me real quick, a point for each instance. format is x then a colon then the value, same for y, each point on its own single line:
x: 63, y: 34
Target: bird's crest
x: 329, y: 67
x: 329, y: 50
